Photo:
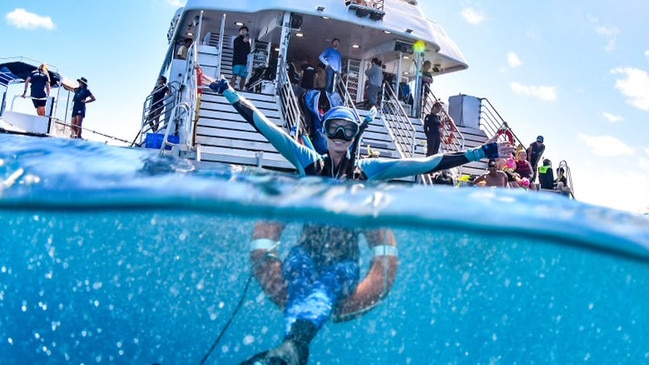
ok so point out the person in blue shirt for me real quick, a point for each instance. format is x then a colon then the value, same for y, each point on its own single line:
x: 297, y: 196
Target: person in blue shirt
x: 40, y: 88
x: 332, y: 60
x: 82, y: 96
x: 321, y: 274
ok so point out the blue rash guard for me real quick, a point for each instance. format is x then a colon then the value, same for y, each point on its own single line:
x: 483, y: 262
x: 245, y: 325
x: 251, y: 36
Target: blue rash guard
x: 324, y: 269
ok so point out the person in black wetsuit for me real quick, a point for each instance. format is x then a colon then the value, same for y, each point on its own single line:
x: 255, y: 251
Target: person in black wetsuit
x: 432, y: 123
x: 323, y: 269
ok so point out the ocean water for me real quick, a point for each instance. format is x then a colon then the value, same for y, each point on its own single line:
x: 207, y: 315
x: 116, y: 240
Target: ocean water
x: 117, y: 256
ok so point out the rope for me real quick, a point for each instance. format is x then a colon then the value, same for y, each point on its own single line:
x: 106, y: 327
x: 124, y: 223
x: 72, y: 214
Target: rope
x: 227, y: 324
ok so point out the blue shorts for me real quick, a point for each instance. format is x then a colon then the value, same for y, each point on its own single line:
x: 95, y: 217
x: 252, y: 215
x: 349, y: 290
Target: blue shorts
x: 240, y: 70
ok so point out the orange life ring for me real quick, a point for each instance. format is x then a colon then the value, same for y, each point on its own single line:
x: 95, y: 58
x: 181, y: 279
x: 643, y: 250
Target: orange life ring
x: 507, y: 133
x: 267, y: 269
x: 451, y: 136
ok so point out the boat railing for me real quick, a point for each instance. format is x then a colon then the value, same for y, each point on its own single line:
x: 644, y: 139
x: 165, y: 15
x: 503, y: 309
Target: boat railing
x: 348, y: 101
x: 183, y: 104
x: 563, y: 164
x: 452, y: 139
x: 163, y: 112
x: 397, y: 122
x: 374, y: 9
x: 290, y: 106
x: 493, y: 123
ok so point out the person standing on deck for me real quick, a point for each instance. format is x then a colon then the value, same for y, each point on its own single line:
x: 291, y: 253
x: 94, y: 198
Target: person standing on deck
x: 240, y: 58
x: 432, y: 123
x: 332, y: 60
x: 40, y: 90
x: 82, y: 96
x: 534, y: 154
x: 321, y: 274
x: 375, y: 75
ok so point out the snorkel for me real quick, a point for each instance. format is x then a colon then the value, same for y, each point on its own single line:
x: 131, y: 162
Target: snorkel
x: 354, y: 151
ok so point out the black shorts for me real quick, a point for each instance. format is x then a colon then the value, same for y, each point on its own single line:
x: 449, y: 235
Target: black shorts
x: 38, y: 102
x: 79, y: 112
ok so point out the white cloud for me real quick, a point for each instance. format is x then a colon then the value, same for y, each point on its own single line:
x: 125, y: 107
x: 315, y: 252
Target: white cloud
x: 634, y: 84
x: 21, y: 18
x: 473, y: 16
x: 176, y: 3
x: 607, y: 31
x: 605, y: 146
x: 513, y: 60
x: 547, y: 93
x: 612, y: 117
x: 646, y: 54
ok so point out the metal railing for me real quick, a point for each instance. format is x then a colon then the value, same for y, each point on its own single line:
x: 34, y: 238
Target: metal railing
x: 289, y: 106
x: 563, y: 164
x: 397, y: 122
x: 451, y: 137
x: 154, y: 117
x: 493, y: 123
x: 180, y: 108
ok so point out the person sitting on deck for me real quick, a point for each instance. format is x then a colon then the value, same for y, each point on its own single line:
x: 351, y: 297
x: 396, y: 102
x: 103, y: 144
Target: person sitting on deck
x: 561, y: 182
x: 546, y: 176
x: 493, y: 178
x: 332, y: 266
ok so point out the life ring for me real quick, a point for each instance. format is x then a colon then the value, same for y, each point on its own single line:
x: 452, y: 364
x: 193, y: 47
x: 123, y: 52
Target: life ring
x: 507, y: 133
x: 443, y: 128
x: 267, y: 269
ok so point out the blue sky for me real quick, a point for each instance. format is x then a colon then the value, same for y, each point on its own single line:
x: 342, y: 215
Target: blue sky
x: 576, y: 72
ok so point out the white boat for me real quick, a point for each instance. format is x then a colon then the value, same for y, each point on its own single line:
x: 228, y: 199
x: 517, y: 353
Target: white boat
x: 14, y: 119
x: 283, y: 35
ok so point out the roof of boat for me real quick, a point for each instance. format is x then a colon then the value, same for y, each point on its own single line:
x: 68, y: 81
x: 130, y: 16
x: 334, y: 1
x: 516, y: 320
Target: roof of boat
x: 402, y: 19
x: 18, y: 69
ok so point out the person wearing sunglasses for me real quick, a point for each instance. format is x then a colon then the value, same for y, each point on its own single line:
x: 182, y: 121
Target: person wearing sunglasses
x: 323, y: 269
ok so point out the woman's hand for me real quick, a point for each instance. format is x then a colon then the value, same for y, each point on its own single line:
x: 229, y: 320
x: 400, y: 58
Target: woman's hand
x: 504, y: 148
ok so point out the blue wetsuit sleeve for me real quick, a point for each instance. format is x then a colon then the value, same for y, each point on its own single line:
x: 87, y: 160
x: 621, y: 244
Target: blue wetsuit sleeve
x: 385, y: 169
x: 297, y: 154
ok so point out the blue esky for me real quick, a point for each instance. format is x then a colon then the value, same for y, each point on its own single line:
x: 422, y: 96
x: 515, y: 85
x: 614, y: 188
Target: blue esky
x: 576, y: 72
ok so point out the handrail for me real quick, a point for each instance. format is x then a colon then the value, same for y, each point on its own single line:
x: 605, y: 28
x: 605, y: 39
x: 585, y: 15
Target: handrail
x: 289, y: 105
x: 492, y: 122
x: 168, y: 104
x: 452, y: 139
x: 398, y: 122
x: 568, y: 175
x: 348, y: 101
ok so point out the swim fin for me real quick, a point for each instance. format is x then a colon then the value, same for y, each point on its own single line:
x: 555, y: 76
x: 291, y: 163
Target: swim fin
x: 288, y: 353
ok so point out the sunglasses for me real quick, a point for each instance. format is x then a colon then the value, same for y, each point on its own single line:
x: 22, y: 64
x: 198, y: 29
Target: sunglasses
x: 344, y: 130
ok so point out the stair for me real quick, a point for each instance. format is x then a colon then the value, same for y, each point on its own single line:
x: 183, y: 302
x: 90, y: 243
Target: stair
x: 224, y: 136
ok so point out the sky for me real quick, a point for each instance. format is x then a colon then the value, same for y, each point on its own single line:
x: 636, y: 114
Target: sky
x: 574, y: 71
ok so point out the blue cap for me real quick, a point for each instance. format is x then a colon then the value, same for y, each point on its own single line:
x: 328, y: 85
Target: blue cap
x: 539, y: 139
